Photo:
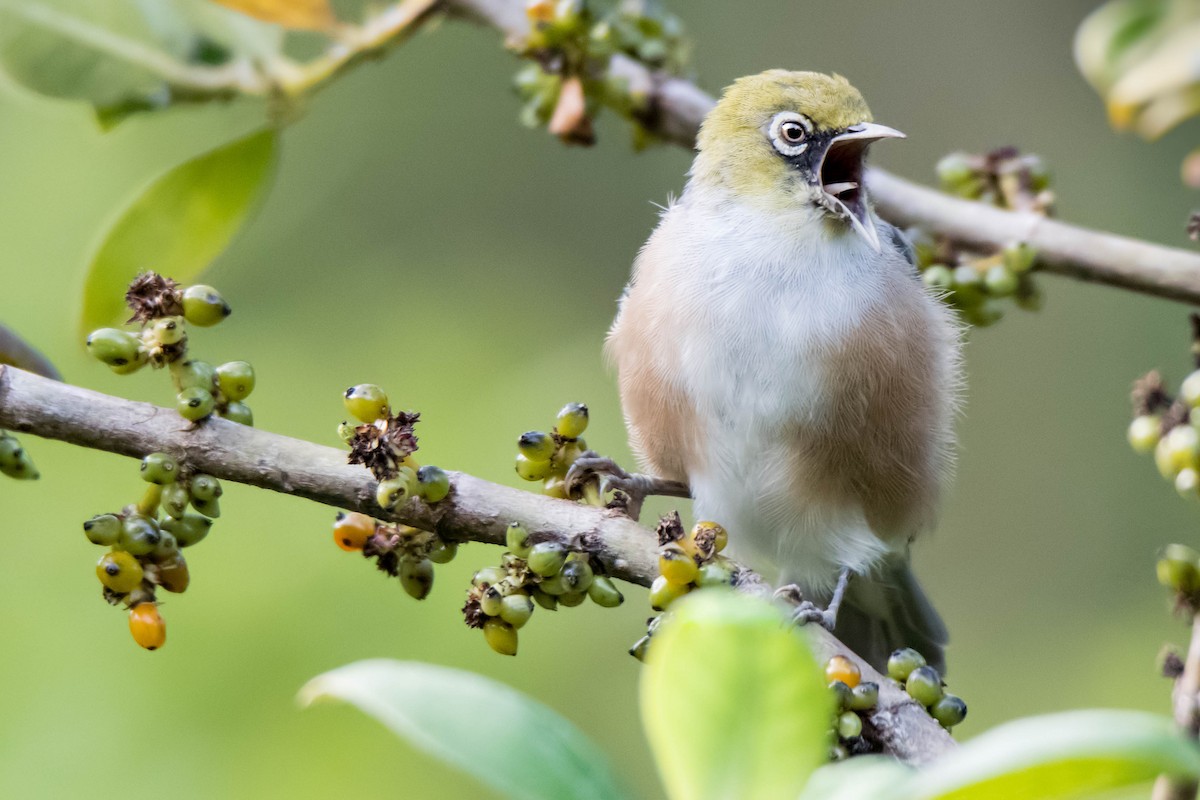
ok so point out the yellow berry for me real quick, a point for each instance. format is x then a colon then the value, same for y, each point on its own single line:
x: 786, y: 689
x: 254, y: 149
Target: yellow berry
x: 840, y: 668
x: 119, y: 571
x: 572, y: 420
x: 1144, y: 433
x: 663, y: 593
x: 366, y: 401
x: 147, y: 626
x: 676, y: 565
x: 531, y: 470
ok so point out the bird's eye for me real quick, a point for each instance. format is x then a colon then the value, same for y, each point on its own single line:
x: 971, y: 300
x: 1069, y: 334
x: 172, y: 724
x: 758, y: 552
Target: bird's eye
x: 788, y: 131
x: 792, y: 132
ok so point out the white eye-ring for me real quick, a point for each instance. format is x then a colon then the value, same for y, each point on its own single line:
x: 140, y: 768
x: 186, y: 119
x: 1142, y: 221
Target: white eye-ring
x: 788, y: 131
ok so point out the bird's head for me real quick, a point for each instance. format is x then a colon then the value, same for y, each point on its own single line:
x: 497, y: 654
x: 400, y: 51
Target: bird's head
x: 780, y: 138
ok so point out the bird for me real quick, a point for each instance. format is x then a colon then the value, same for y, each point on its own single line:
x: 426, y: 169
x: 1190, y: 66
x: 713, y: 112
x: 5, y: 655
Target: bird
x: 780, y: 360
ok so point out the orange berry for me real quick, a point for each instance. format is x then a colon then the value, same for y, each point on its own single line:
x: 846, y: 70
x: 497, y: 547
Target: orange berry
x: 840, y: 668
x: 147, y: 626
x: 351, y: 530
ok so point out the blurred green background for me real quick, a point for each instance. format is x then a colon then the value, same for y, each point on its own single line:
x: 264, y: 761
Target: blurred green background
x: 491, y: 257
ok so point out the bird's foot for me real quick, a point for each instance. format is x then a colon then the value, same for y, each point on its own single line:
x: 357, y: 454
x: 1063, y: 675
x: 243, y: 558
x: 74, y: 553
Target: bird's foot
x: 806, y: 611
x: 591, y: 467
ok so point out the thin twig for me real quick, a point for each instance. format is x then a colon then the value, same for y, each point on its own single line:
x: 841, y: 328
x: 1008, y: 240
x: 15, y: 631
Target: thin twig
x: 475, y: 510
x: 1186, y: 701
x: 678, y: 106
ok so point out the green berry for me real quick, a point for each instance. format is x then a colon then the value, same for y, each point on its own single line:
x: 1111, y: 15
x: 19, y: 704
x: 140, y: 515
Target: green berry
x: 949, y: 710
x: 119, y: 571
x: 15, y: 461
x: 159, y: 468
x: 433, y: 484
x: 902, y: 662
x: 1179, y: 568
x: 488, y: 576
x: 500, y: 636
x: 175, y: 499
x: 849, y: 725
x: 1178, y: 450
x: 443, y: 552
x: 1187, y: 483
x: 195, y: 404
x: 553, y: 586
x: 366, y: 402
x: 532, y: 470
x: 417, y: 577
x: 103, y: 529
x: 139, y: 535
x: 235, y: 379
x: 967, y: 286
x: 924, y: 685
x: 1189, y: 391
x: 547, y: 558
x: 955, y: 172
x: 142, y: 359
x: 1019, y: 257
x: 536, y: 445
x: 114, y: 347
x: 1144, y: 433
x: 516, y: 538
x: 194, y: 374
x: 491, y: 600
x: 938, y: 277
x: 842, y: 694
x: 546, y: 601
x: 346, y: 432
x: 167, y: 547
x: 167, y: 330
x: 394, y: 491
x: 209, y: 508
x: 205, y: 487
x: 1000, y: 281
x: 240, y: 413
x: 577, y: 575
x: 188, y: 530
x: 714, y: 574
x: 1029, y: 295
x: 864, y: 697
x: 572, y: 420
x: 572, y: 599
x: 203, y: 306
x: 516, y: 609
x: 604, y: 592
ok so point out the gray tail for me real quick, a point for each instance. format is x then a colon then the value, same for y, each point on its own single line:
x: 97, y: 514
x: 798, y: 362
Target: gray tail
x: 887, y: 610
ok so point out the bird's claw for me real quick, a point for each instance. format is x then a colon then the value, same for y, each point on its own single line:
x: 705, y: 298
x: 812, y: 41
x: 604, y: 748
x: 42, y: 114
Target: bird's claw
x: 808, y: 612
x: 611, y: 477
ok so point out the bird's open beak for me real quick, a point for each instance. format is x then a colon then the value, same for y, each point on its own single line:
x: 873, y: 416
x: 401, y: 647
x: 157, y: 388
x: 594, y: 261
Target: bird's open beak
x: 841, y: 175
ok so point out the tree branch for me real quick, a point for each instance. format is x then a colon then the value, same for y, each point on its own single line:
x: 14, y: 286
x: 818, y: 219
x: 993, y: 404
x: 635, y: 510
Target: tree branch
x: 677, y: 107
x: 476, y: 510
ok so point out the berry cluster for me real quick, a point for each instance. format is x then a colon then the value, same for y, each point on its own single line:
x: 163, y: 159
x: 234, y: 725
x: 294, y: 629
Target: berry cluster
x: 572, y: 48
x: 925, y: 685
x: 384, y: 444
x: 1178, y: 569
x: 688, y: 560
x: 144, y: 547
x: 546, y: 457
x: 1167, y: 426
x: 854, y: 697
x: 976, y: 283
x: 501, y: 599
x: 14, y: 460
x: 164, y: 311
x: 400, y: 551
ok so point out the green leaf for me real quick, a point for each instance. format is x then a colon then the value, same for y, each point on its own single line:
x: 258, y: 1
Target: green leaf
x: 876, y: 777
x: 124, y: 56
x: 733, y: 701
x: 506, y: 739
x: 180, y: 223
x: 1073, y: 754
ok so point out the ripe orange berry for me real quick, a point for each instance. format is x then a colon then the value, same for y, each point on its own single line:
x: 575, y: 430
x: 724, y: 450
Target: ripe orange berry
x: 147, y: 626
x: 351, y: 530
x: 840, y: 668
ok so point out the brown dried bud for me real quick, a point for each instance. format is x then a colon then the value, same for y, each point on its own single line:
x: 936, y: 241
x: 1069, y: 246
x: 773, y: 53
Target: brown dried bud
x: 670, y: 528
x: 151, y: 296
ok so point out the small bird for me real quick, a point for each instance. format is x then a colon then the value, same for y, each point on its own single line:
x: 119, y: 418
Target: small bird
x: 780, y: 358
